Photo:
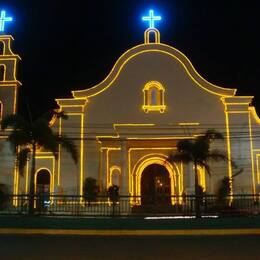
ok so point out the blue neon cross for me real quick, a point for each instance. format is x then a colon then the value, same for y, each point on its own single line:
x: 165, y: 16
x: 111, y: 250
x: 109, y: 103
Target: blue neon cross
x: 3, y: 20
x: 151, y: 18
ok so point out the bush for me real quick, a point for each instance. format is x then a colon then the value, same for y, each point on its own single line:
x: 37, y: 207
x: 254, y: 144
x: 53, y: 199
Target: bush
x: 4, y: 196
x: 224, y: 190
x: 113, y: 193
x: 90, y: 190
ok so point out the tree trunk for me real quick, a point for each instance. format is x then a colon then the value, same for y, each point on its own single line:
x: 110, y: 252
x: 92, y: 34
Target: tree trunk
x: 197, y: 193
x: 32, y: 184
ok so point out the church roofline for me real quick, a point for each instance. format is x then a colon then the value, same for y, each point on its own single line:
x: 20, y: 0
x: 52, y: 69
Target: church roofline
x: 162, y: 48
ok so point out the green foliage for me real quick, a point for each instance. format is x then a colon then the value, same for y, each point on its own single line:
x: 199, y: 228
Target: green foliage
x: 90, y: 189
x: 4, y: 196
x: 198, y: 152
x: 26, y: 137
x: 224, y: 188
x: 113, y: 193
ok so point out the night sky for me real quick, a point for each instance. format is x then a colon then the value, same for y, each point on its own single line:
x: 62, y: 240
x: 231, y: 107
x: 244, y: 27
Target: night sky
x: 70, y: 45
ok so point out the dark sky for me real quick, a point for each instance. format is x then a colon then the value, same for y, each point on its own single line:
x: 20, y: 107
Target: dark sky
x: 69, y: 45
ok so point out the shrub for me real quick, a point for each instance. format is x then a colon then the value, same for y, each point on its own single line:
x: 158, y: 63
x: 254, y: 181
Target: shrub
x: 4, y: 196
x: 113, y: 193
x: 90, y: 190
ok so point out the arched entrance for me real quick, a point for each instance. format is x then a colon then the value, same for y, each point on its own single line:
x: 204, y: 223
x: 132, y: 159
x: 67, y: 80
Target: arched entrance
x: 155, y: 185
x: 43, y: 181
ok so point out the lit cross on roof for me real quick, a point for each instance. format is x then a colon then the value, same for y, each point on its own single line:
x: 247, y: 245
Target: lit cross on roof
x: 151, y: 18
x: 3, y: 20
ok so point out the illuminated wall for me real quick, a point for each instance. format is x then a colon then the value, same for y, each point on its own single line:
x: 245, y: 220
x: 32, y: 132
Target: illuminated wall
x: 8, y: 98
x: 152, y: 98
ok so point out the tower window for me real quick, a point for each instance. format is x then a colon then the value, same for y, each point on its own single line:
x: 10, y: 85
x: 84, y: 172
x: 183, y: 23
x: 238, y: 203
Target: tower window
x: 153, y: 97
x: 1, y: 110
x: 2, y: 72
x: 1, y: 48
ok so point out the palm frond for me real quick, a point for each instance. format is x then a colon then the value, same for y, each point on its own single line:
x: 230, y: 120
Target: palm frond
x: 206, y: 166
x: 239, y: 171
x: 180, y: 157
x: 201, y: 149
x: 18, y: 138
x: 61, y: 114
x: 54, y: 113
x: 69, y: 146
x: 14, y: 121
x: 213, y: 134
x: 44, y: 136
x: 185, y: 146
x: 22, y: 158
x: 217, y: 155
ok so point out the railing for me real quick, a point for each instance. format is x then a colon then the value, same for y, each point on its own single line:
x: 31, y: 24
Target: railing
x: 66, y: 205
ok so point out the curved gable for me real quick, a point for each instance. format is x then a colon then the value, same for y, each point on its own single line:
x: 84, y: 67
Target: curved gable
x: 159, y: 48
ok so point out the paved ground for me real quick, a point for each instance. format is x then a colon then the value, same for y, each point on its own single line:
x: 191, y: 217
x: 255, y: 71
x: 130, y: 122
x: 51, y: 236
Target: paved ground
x: 132, y: 248
x: 127, y: 223
x: 25, y: 238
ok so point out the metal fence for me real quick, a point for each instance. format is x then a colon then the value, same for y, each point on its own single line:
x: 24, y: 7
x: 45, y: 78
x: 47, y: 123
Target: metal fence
x: 66, y: 205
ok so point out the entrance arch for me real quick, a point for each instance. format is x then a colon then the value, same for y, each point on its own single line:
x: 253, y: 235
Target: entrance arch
x: 174, y: 173
x: 43, y: 181
x: 155, y: 185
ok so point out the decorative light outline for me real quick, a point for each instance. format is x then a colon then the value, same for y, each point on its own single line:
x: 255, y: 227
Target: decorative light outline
x: 124, y: 58
x: 151, y: 19
x: 3, y: 20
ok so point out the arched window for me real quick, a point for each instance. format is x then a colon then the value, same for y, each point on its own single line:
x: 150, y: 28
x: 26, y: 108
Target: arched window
x: 115, y: 176
x: 153, y: 97
x: 1, y: 110
x: 1, y: 48
x: 2, y: 72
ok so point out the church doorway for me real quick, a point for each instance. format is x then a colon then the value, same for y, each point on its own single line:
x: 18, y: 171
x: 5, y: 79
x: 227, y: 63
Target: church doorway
x: 43, y: 188
x: 155, y: 186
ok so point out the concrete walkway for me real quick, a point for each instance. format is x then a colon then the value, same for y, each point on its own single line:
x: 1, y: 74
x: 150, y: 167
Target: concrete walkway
x: 128, y: 226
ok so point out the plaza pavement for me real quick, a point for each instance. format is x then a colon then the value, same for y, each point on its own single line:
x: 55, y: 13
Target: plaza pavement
x: 38, y: 225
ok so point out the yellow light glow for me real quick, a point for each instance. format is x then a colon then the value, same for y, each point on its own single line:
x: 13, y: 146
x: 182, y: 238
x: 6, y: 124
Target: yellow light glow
x: 59, y: 153
x: 112, y: 171
x: 172, y: 169
x: 1, y: 110
x: 258, y: 167
x: 52, y: 171
x: 254, y: 114
x: 147, y: 35
x: 161, y: 48
x: 108, y: 173
x: 228, y: 147
x: 252, y: 153
x: 4, y: 71
x: 201, y: 176
x: 189, y: 124
x: 132, y: 169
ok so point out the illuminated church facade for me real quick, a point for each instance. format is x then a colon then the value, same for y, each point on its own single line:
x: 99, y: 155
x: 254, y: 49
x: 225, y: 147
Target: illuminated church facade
x: 126, y: 126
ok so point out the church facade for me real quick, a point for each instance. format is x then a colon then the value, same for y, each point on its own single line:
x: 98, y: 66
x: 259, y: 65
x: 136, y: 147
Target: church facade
x: 9, y: 87
x: 126, y: 127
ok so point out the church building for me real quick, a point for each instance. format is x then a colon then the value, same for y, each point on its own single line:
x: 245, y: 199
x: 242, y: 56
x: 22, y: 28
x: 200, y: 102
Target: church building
x: 126, y: 126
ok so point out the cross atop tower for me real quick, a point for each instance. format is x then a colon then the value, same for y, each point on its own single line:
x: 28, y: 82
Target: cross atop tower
x: 3, y: 20
x: 151, y: 19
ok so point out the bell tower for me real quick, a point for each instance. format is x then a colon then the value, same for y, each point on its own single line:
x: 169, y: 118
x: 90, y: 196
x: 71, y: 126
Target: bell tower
x: 8, y: 82
x: 8, y: 69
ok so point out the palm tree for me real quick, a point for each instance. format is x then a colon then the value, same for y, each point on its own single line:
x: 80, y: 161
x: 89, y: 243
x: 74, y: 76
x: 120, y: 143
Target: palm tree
x: 197, y: 151
x: 26, y: 137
